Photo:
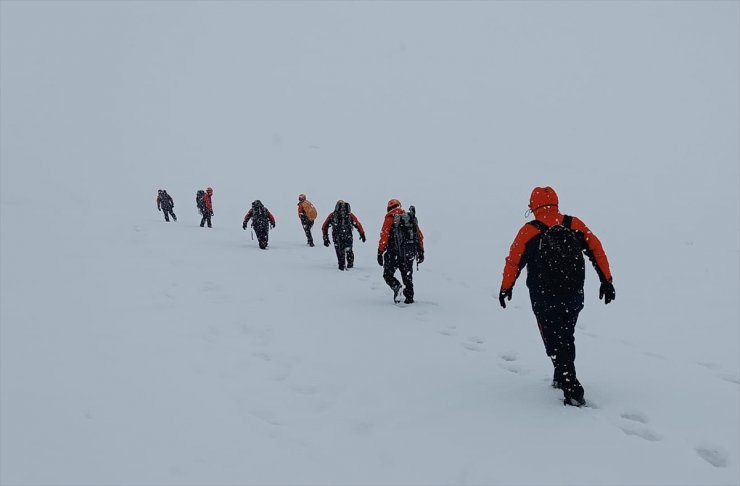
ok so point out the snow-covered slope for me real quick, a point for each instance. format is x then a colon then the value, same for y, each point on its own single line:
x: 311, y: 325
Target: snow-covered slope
x: 135, y: 351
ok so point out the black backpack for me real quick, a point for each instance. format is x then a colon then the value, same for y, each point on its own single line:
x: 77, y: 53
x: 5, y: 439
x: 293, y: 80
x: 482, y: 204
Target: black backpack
x: 557, y: 262
x: 199, y: 200
x: 405, y: 234
x: 166, y: 200
x: 342, y: 219
x: 259, y: 214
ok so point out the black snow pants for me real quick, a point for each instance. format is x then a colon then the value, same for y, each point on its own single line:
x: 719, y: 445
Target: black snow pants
x: 343, y: 247
x: 556, y: 317
x: 206, y: 217
x: 167, y: 210
x: 307, y: 225
x: 262, y: 231
x: 393, y: 262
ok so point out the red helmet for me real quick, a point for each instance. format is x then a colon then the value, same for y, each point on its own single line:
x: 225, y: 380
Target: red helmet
x: 393, y: 203
x: 209, y: 190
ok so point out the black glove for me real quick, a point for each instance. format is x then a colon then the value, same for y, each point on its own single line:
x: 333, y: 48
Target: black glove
x: 380, y: 258
x: 503, y: 295
x: 326, y: 241
x: 244, y: 226
x: 362, y: 237
x: 420, y: 256
x: 159, y: 209
x: 272, y: 225
x: 607, y: 292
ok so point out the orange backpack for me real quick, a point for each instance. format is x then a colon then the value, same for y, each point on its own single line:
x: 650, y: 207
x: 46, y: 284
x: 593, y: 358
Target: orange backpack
x: 310, y: 210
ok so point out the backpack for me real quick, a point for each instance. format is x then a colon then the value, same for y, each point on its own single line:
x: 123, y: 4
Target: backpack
x: 310, y: 210
x: 199, y: 200
x: 405, y: 235
x: 342, y: 219
x: 259, y: 214
x: 558, y: 261
x: 166, y: 200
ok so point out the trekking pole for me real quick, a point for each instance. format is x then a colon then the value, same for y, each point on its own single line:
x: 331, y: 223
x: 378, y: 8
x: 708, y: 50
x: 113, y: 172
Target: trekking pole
x: 252, y: 233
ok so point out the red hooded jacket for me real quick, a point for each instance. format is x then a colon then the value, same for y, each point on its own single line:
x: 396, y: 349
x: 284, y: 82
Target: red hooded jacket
x: 544, y: 205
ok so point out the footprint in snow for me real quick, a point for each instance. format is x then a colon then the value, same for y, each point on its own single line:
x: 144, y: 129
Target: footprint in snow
x: 730, y: 378
x: 509, y: 363
x: 449, y: 331
x: 638, y: 429
x: 713, y: 456
x: 264, y: 415
x: 474, y: 343
x: 722, y: 375
x: 634, y: 417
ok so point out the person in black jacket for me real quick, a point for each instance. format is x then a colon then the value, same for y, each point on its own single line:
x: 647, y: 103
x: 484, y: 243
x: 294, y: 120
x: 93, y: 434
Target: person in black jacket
x: 342, y: 220
x: 262, y: 221
x: 166, y: 204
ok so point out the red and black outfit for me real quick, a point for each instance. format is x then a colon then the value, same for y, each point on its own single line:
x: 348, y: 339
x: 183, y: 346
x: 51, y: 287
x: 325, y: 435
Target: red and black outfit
x: 390, y: 258
x: 262, y: 221
x: 166, y: 204
x: 207, y: 209
x: 342, y: 220
x: 556, y: 307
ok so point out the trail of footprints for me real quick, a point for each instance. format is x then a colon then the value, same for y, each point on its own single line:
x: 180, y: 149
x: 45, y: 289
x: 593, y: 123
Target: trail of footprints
x: 632, y: 423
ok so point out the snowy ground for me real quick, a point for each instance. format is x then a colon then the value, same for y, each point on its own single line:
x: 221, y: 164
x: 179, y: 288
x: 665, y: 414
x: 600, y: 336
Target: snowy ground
x: 134, y: 351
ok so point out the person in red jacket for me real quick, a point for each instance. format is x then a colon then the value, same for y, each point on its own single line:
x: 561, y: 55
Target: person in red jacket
x: 397, y: 249
x: 342, y: 220
x: 207, y: 209
x: 552, y: 248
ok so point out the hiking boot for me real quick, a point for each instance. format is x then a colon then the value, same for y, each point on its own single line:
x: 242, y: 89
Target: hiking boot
x: 310, y: 243
x: 350, y: 265
x: 409, y: 300
x: 396, y: 291
x: 573, y: 393
x: 574, y: 402
x: 201, y: 225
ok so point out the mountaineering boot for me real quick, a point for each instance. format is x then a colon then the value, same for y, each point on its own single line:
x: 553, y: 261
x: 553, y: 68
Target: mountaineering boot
x: 409, y: 294
x: 574, y: 402
x: 573, y: 392
x: 396, y: 291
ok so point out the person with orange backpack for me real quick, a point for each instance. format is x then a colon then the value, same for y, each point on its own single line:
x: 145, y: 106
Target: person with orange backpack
x: 307, y: 214
x: 552, y: 247
x: 401, y: 241
x: 342, y: 220
x: 205, y: 206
